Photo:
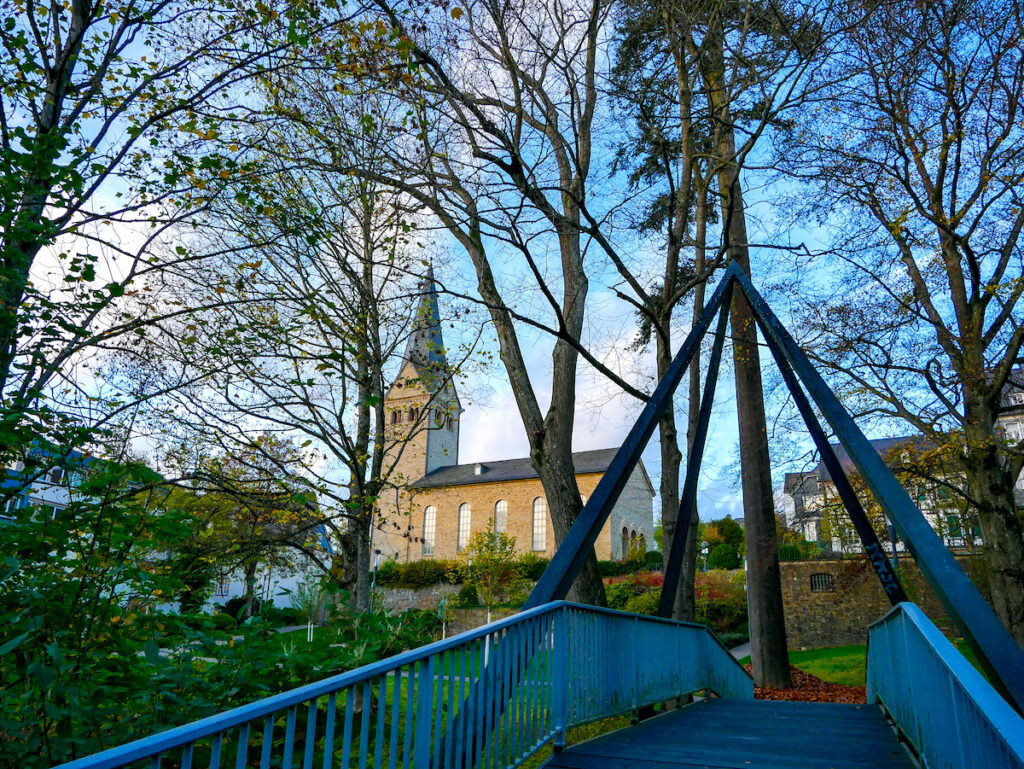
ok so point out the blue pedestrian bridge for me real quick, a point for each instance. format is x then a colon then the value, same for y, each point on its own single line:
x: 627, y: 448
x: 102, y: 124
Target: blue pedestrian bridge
x: 513, y: 693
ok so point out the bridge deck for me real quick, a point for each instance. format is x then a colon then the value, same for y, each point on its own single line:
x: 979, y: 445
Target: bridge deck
x: 737, y: 734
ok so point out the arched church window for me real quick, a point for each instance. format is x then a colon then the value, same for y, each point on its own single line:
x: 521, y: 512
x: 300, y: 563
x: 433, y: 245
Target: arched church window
x: 463, y: 534
x: 625, y: 542
x: 394, y: 417
x: 429, y: 529
x: 540, y: 524
x: 450, y: 423
x: 501, y: 516
x: 412, y: 414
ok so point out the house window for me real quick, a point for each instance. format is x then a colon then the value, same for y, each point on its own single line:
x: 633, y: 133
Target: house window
x: 429, y: 528
x: 464, y: 516
x: 823, y: 583
x: 540, y: 524
x: 394, y: 417
x: 56, y: 474
x: 501, y: 516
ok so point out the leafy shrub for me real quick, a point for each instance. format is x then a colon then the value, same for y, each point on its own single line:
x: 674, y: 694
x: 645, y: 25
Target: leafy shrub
x: 654, y: 557
x: 468, y: 596
x: 790, y: 553
x: 281, y: 617
x: 721, y: 601
x: 424, y: 573
x: 645, y: 603
x: 388, y: 573
x: 222, y: 621
x: 533, y: 565
x: 620, y: 591
x: 724, y: 556
x: 618, y: 568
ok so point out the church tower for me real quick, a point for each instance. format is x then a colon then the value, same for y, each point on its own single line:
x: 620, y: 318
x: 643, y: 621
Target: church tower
x: 422, y: 411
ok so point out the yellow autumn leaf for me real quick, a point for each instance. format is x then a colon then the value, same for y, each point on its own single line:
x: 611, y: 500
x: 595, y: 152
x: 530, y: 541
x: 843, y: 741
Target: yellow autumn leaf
x: 456, y: 13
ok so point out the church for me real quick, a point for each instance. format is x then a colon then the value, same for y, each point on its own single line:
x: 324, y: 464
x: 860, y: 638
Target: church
x: 435, y: 504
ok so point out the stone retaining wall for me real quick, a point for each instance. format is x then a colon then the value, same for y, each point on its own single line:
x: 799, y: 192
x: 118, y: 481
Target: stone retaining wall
x: 840, y: 616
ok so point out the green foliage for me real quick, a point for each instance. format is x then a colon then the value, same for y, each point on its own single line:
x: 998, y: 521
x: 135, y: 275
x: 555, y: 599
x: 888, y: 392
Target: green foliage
x: 723, y: 556
x: 619, y: 568
x: 490, y: 565
x: 86, y: 664
x: 467, y: 596
x: 790, y: 553
x: 645, y: 603
x: 721, y: 600
x: 532, y: 566
x: 654, y: 557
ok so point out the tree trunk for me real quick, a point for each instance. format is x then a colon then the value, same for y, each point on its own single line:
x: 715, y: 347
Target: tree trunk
x: 991, y: 488
x: 363, y: 560
x: 764, y: 585
x: 250, y: 590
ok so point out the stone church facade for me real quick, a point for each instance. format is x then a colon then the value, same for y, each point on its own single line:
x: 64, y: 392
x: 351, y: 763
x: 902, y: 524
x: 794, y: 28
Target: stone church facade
x: 435, y: 504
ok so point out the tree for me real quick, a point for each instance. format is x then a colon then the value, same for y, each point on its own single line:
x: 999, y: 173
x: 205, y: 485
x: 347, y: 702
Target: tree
x: 103, y: 124
x: 490, y: 564
x: 917, y: 139
x: 322, y: 289
x: 723, y: 556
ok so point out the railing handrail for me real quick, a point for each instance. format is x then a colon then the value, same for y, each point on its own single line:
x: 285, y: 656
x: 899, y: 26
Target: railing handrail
x: 1000, y: 716
x: 267, y: 706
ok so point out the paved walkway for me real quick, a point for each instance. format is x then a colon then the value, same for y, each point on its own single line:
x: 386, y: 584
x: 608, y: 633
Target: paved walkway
x: 747, y: 734
x: 741, y: 651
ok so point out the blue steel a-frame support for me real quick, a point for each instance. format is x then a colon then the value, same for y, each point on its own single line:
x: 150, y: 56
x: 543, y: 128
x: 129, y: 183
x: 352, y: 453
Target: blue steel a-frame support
x: 993, y: 645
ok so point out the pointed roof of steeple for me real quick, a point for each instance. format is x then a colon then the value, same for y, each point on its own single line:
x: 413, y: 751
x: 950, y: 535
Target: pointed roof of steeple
x: 425, y: 347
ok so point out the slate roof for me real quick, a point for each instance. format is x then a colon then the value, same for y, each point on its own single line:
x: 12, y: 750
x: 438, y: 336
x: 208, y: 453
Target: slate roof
x: 882, y: 445
x: 512, y: 470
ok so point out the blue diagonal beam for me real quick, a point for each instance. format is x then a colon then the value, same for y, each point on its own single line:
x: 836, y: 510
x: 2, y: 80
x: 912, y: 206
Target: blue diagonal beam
x: 991, y: 642
x: 688, y: 501
x: 558, y: 577
x: 883, y: 568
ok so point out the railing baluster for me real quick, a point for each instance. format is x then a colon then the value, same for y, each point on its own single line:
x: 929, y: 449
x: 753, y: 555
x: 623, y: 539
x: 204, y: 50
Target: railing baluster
x: 424, y: 720
x: 307, y: 760
x: 154, y: 762
x: 289, y: 737
x: 450, y: 701
x: 382, y: 710
x: 268, y: 741
x: 215, y: 747
x: 410, y: 685
x: 437, y: 683
x: 242, y: 754
x: 346, y: 736
x: 490, y: 696
x: 463, y: 710
x: 186, y: 756
x: 396, y: 715
x: 332, y: 709
x: 364, y: 722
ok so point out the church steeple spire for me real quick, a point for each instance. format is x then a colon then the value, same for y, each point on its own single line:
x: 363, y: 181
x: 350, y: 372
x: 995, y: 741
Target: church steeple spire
x: 425, y: 348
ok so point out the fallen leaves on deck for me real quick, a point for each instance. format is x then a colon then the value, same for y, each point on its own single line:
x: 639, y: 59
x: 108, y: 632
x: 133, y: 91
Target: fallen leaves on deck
x: 808, y: 688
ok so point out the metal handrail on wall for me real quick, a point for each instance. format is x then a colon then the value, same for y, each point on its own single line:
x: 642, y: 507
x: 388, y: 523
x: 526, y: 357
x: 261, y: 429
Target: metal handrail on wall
x: 945, y: 708
x: 487, y: 698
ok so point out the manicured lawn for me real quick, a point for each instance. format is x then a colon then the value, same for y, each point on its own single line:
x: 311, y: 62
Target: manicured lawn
x: 845, y: 664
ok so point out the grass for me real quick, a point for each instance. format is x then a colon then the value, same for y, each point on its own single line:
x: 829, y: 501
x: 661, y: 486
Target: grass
x: 846, y: 664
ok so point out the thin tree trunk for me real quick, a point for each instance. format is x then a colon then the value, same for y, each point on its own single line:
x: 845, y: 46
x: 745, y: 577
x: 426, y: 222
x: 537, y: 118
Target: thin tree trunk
x: 764, y: 585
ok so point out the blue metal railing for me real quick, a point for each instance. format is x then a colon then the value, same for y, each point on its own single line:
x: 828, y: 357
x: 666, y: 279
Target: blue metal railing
x: 487, y: 698
x: 947, y: 710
